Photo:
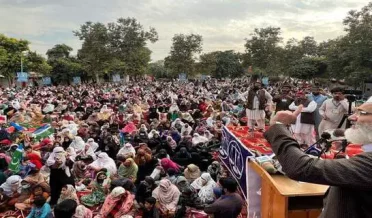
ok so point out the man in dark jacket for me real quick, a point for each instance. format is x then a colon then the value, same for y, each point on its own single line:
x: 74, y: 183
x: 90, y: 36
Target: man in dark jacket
x: 350, y: 194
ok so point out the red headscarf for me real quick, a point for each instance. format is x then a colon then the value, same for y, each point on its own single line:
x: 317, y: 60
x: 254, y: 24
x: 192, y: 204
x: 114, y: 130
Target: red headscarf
x: 35, y: 159
x: 168, y: 164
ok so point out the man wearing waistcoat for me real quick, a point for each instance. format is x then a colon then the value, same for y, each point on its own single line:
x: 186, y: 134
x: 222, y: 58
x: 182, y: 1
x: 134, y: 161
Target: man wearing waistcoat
x: 258, y: 100
x: 284, y: 99
x: 303, y: 129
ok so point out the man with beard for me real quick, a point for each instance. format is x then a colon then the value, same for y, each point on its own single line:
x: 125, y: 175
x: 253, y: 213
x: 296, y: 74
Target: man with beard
x: 350, y: 180
x: 257, y: 101
x: 333, y: 110
x: 284, y: 99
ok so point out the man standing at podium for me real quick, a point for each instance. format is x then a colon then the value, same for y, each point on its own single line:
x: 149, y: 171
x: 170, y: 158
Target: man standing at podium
x: 350, y: 180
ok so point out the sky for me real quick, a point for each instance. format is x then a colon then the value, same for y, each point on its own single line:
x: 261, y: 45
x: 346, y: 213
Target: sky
x: 224, y: 24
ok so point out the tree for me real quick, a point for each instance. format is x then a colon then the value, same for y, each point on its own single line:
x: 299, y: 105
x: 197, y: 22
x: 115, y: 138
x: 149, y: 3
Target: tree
x: 64, y: 67
x: 207, y: 63
x: 308, y: 68
x: 157, y: 69
x: 127, y: 42
x: 11, y: 51
x: 263, y: 49
x: 181, y: 58
x: 59, y: 51
x: 36, y: 63
x: 350, y: 56
x: 95, y: 54
x: 228, y: 65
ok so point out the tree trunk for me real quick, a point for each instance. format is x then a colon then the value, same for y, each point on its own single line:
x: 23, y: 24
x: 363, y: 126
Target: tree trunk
x: 97, y: 78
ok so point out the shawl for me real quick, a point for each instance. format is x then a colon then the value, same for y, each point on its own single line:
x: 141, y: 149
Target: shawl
x: 184, y: 129
x: 137, y: 109
x: 69, y: 194
x: 104, y: 161
x: 79, y: 170
x: 173, y: 108
x: 129, y: 128
x: 182, y: 183
x: 168, y: 164
x: 177, y: 121
x: 12, y: 184
x: 171, y: 142
x: 205, y: 191
x: 167, y: 195
x: 192, y: 172
x: 114, y: 198
x: 127, y: 149
x: 82, y: 212
x: 35, y: 159
x: 71, y: 154
x: 128, y: 172
x: 78, y: 144
x: 198, y: 139
x: 143, y: 156
x: 58, y: 154
x: 152, y: 133
x: 215, y: 168
x: 94, y: 145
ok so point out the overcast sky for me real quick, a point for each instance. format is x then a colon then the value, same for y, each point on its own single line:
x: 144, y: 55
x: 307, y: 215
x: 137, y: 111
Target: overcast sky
x: 224, y: 24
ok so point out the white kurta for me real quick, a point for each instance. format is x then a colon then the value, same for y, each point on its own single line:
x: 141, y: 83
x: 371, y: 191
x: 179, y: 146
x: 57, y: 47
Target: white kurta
x: 299, y: 127
x: 334, y: 112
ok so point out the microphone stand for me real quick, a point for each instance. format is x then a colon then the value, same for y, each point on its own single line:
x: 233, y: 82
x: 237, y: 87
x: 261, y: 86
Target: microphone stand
x: 344, y: 144
x: 326, y: 148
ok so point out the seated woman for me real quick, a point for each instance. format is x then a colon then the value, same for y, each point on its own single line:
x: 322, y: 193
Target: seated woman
x: 168, y: 164
x: 145, y: 189
x: 82, y: 212
x: 81, y: 175
x: 167, y: 196
x: 204, y: 185
x: 117, y: 204
x: 192, y: 172
x: 37, y: 192
x: 103, y: 161
x: 68, y: 192
x: 12, y: 189
x: 128, y: 169
x: 99, y: 190
x: 36, y: 178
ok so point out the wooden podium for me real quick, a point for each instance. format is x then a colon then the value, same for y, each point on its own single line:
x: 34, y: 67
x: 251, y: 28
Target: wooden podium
x: 282, y: 197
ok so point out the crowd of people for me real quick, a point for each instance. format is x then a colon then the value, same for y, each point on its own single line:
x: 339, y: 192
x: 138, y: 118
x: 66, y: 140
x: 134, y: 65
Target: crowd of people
x: 140, y: 149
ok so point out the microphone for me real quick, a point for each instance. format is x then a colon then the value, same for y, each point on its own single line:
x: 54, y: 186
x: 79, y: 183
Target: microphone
x: 326, y: 135
x: 339, y: 133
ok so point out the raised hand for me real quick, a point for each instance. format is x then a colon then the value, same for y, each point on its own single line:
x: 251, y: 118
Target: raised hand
x: 286, y: 117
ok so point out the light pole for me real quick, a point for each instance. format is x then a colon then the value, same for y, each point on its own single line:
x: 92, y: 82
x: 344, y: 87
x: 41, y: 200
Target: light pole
x: 22, y: 61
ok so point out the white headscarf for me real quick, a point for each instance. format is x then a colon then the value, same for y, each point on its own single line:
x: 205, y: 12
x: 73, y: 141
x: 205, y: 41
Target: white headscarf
x: 93, y: 144
x: 58, y: 154
x: 198, y: 139
x: 78, y: 144
x: 104, y: 161
x: 16, y: 104
x: 127, y: 149
x: 71, y: 152
x: 12, y: 184
x: 205, y: 191
x: 152, y: 133
x: 178, y: 120
x: 48, y: 108
x: 184, y: 129
x: 173, y: 107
